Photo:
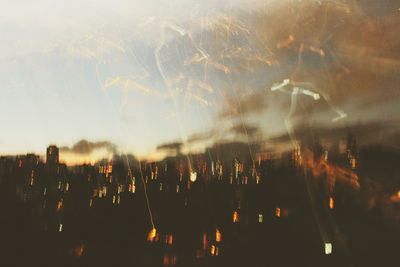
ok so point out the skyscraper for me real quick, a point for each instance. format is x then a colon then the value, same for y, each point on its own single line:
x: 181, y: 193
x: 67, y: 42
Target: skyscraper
x: 52, y: 155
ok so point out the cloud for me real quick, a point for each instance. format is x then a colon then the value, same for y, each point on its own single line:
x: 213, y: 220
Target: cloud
x: 85, y: 147
x: 245, y: 129
x: 384, y: 133
x: 250, y: 104
x: 173, y: 146
x: 201, y: 136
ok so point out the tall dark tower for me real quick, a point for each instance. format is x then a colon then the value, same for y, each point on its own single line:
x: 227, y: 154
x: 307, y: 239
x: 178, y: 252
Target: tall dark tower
x: 52, y: 155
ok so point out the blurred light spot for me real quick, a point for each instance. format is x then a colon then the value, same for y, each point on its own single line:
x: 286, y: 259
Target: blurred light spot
x: 152, y: 235
x: 79, y: 249
x: 331, y: 203
x: 193, y: 176
x: 328, y: 248
x: 218, y: 236
x: 278, y: 212
x: 235, y: 216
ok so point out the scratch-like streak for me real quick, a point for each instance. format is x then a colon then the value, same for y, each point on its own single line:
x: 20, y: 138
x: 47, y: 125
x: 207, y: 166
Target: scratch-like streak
x: 296, y: 90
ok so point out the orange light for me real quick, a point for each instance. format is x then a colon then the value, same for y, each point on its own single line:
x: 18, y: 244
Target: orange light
x: 79, y: 250
x: 212, y: 250
x: 169, y: 239
x: 331, y: 203
x: 235, y: 216
x: 152, y: 235
x: 59, y: 205
x: 218, y: 236
x: 278, y: 212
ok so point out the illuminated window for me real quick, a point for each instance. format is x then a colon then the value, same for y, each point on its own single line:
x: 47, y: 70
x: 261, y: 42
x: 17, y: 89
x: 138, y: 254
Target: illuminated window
x: 235, y: 217
x: 331, y: 203
x: 193, y: 176
x: 218, y: 236
x: 328, y: 248
x: 278, y: 212
x: 152, y: 235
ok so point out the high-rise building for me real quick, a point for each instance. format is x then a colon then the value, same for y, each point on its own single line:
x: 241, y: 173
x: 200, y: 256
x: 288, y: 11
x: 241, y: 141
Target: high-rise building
x: 52, y: 155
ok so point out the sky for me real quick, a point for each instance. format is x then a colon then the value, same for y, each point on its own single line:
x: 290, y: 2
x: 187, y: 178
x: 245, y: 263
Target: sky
x: 137, y: 74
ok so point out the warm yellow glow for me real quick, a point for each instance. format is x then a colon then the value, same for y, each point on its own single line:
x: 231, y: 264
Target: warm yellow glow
x: 353, y: 163
x: 260, y: 218
x: 60, y: 228
x: 218, y: 236
x: 193, y: 176
x: 59, y: 205
x: 152, y: 235
x: 235, y: 216
x: 331, y: 203
x: 212, y: 250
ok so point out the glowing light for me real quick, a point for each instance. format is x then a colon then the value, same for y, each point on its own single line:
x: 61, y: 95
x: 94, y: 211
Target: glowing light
x: 59, y: 205
x: 60, y: 228
x: 193, y: 176
x: 278, y: 212
x: 218, y: 236
x: 353, y: 163
x: 331, y: 203
x: 152, y: 235
x: 169, y: 239
x: 260, y: 218
x: 79, y: 250
x: 132, y: 188
x: 328, y: 248
x: 212, y: 250
x: 235, y: 216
